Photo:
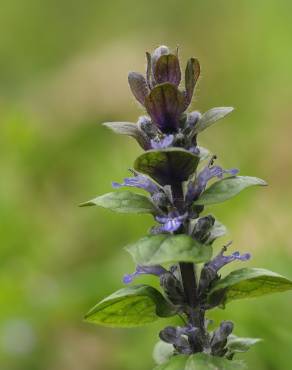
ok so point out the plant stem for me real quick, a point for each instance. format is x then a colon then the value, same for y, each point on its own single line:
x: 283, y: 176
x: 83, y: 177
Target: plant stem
x: 195, y: 313
x: 187, y: 269
x: 188, y: 276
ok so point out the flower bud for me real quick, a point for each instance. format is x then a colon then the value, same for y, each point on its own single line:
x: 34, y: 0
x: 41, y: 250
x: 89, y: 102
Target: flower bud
x: 174, y: 335
x: 219, y: 338
x: 158, y: 52
x: 172, y: 288
x: 202, y: 227
x: 148, y: 127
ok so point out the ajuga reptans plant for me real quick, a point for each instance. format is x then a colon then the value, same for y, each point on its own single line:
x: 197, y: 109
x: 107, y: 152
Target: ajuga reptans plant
x: 175, y: 171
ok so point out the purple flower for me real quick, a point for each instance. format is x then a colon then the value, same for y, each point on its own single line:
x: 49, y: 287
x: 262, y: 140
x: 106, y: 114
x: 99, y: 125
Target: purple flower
x: 170, y: 223
x: 195, y: 188
x: 139, y: 181
x: 195, y: 150
x: 162, y: 143
x: 156, y: 270
x: 210, y: 269
x: 220, y: 260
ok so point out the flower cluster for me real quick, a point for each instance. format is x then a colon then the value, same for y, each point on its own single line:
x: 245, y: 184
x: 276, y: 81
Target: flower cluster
x: 181, y: 180
x: 167, y: 125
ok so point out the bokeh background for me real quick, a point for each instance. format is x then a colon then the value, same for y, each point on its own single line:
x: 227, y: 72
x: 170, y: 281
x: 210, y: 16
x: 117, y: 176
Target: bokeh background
x: 63, y: 71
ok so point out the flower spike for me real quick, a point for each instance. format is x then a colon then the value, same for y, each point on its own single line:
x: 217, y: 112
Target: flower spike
x: 183, y: 237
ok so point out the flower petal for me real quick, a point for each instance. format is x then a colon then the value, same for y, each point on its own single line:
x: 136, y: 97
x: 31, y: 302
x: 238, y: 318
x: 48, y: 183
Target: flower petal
x: 169, y: 223
x: 163, y: 143
x: 220, y: 260
x: 198, y: 186
x: 156, y: 270
x: 139, y: 181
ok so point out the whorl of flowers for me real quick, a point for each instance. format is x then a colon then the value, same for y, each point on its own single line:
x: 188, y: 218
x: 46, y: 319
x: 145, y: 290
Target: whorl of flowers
x: 176, y: 172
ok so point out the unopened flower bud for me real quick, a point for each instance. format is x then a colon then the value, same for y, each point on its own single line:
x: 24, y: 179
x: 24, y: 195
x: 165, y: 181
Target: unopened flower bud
x: 202, y: 228
x: 219, y: 338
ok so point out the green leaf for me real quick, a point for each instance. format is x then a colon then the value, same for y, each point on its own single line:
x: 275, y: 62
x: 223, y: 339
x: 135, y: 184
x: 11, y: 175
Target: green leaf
x: 175, y: 363
x: 129, y: 129
x: 201, y: 361
x: 130, y: 307
x: 167, y: 166
x: 210, y: 117
x: 165, y: 248
x: 239, y: 345
x: 123, y: 202
x: 248, y: 283
x: 227, y: 188
x: 162, y: 352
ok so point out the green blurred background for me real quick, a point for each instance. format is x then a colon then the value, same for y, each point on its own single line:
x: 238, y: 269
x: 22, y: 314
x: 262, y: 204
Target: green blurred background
x: 63, y: 71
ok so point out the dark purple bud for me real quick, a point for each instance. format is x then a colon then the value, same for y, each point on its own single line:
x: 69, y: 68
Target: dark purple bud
x: 169, y: 334
x: 219, y: 338
x: 139, y: 181
x: 144, y: 270
x: 167, y: 69
x: 172, y: 288
x: 162, y: 143
x: 173, y: 336
x: 165, y: 104
x: 186, y: 340
x: 138, y: 86
x: 202, y: 228
x: 191, y: 77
